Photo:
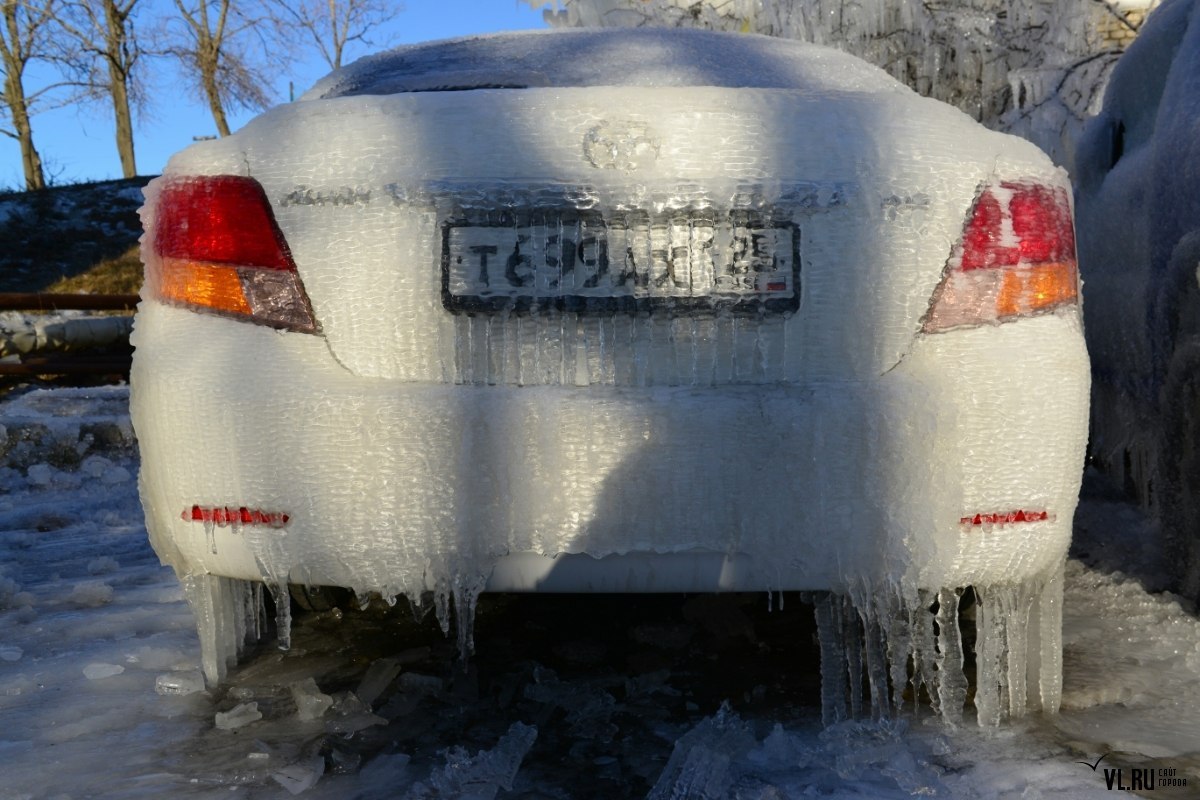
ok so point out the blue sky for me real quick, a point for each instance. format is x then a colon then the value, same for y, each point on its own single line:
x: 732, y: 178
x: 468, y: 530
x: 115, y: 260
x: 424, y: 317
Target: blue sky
x: 77, y: 144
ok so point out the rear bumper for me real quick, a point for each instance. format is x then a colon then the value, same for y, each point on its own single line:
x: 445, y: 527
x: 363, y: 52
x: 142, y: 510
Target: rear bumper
x: 401, y: 487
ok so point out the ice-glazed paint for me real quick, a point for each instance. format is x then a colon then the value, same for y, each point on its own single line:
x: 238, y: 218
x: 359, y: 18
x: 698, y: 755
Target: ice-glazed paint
x: 694, y: 359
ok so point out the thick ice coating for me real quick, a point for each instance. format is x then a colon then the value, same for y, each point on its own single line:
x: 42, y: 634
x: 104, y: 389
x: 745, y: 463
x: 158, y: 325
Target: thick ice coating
x: 1138, y: 172
x: 807, y: 331
x: 574, y: 59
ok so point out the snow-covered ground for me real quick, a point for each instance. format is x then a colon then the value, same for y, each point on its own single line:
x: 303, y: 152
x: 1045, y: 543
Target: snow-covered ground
x: 567, y: 697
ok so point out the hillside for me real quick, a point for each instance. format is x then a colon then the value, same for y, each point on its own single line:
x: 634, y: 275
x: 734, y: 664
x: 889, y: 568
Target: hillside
x: 64, y: 231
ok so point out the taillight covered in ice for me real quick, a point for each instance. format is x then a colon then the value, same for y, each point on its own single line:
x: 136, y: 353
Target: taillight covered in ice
x: 217, y: 248
x: 1016, y: 259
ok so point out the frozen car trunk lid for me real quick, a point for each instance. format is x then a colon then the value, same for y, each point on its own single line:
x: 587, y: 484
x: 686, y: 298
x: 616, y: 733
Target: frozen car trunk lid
x: 566, y: 59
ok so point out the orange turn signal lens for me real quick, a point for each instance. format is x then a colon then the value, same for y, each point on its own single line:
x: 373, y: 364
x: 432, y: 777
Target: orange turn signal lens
x: 1035, y: 288
x: 194, y: 283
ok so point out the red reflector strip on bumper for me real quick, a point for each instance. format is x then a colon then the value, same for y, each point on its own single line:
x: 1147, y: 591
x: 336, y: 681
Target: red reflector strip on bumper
x: 1006, y: 518
x: 235, y: 516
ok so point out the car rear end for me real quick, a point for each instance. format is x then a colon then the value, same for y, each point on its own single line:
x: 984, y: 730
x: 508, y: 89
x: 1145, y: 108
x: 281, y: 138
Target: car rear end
x: 612, y: 338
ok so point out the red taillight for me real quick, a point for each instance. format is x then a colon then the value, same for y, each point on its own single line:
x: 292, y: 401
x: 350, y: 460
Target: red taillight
x: 1005, y: 518
x: 217, y: 247
x: 221, y: 516
x: 1016, y: 258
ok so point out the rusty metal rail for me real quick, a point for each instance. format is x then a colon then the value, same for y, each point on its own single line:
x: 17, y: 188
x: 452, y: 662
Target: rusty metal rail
x: 80, y: 364
x: 43, y: 301
x: 112, y: 360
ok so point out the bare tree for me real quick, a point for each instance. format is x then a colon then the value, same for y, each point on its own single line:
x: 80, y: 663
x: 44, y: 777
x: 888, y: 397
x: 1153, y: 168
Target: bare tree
x: 23, y: 40
x: 104, y: 52
x: 333, y: 24
x: 222, y: 45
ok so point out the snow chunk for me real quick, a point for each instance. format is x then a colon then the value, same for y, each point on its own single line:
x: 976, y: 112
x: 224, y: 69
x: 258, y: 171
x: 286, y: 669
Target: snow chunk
x: 91, y: 594
x: 311, y: 703
x: 104, y: 470
x: 179, y: 683
x: 351, y: 715
x: 10, y: 653
x: 699, y: 766
x: 379, y: 676
x: 238, y: 716
x: 41, y: 475
x: 102, y: 565
x: 98, y: 671
x: 387, y: 771
x: 866, y: 750
x: 479, y: 777
x: 301, y: 776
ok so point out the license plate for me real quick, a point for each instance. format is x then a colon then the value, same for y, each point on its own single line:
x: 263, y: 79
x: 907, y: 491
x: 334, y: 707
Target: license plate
x: 685, y: 262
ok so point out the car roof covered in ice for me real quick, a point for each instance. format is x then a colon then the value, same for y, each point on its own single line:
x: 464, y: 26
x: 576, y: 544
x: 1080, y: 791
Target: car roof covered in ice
x: 578, y: 58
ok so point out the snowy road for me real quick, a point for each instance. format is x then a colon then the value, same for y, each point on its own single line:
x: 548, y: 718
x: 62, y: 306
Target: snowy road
x: 581, y: 697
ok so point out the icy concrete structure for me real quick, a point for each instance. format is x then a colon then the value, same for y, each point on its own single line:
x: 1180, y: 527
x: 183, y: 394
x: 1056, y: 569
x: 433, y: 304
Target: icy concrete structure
x: 636, y: 311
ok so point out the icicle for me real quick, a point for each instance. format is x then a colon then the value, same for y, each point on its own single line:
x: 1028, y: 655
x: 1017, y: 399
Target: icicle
x: 875, y: 648
x: 283, y: 613
x: 441, y: 605
x: 256, y: 612
x: 200, y: 591
x: 898, y: 630
x: 852, y: 641
x: 239, y: 597
x: 833, y: 658
x: 466, y: 597
x: 1018, y: 649
x: 990, y: 678
x: 463, y: 349
x: 951, y: 682
x: 226, y: 612
x: 210, y: 535
x: 924, y: 651
x: 417, y: 607
x: 1046, y: 621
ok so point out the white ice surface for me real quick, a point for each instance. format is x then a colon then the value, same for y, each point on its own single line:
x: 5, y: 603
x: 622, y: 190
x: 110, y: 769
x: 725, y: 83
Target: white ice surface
x: 1131, y: 686
x: 1138, y: 207
x: 647, y: 58
x: 413, y: 448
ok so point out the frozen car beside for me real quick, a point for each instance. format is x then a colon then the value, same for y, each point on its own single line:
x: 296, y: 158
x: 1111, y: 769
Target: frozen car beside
x: 1138, y: 173
x: 625, y: 311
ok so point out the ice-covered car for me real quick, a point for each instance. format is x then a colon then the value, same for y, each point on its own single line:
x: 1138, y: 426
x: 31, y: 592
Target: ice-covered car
x: 1138, y: 175
x: 631, y: 311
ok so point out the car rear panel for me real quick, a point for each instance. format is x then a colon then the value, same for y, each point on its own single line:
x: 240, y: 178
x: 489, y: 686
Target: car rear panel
x: 394, y: 486
x: 431, y: 429
x: 873, y: 222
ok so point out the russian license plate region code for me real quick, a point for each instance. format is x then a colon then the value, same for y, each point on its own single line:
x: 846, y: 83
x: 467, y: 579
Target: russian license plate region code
x: 686, y: 262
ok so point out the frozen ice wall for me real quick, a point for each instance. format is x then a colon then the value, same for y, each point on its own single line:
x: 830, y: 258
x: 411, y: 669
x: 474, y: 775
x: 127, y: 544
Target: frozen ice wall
x: 673, y: 314
x: 1138, y: 168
